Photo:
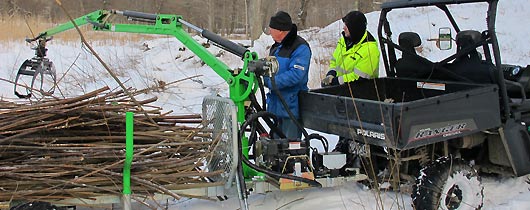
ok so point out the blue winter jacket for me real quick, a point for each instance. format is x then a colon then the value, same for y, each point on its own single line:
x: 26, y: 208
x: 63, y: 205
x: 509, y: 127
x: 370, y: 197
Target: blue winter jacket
x: 294, y: 56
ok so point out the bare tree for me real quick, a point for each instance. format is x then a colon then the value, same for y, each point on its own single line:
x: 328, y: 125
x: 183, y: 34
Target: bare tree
x: 82, y: 6
x: 12, y: 7
x: 365, y: 6
x: 105, y: 4
x: 247, y: 19
x: 158, y: 5
x: 211, y: 11
x: 234, y: 14
x: 218, y: 16
x: 302, y: 14
x: 255, y: 19
x: 267, y: 10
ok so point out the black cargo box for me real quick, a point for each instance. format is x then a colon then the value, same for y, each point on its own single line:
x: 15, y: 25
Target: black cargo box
x: 401, y: 113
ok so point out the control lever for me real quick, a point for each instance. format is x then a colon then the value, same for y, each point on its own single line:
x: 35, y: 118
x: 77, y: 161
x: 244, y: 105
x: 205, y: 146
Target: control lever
x: 267, y: 66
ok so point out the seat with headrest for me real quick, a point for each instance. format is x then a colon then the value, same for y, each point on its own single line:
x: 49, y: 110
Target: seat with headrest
x: 471, y: 65
x: 409, y: 40
x: 470, y: 36
x: 410, y: 65
x: 465, y: 39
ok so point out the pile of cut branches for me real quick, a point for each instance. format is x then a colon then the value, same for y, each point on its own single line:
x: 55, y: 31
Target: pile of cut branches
x: 75, y: 148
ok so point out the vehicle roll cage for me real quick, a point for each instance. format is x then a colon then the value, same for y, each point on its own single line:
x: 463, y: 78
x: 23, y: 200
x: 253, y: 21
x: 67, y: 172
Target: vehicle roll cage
x: 489, y: 37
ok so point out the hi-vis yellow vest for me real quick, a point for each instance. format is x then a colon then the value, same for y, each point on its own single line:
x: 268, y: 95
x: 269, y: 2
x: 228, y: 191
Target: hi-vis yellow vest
x: 361, y: 60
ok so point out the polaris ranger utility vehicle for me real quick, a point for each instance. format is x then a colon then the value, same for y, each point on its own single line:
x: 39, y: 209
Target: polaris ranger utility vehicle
x: 432, y: 123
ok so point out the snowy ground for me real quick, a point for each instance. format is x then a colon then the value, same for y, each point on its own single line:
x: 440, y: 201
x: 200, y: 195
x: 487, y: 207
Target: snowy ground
x: 500, y: 194
x: 142, y: 68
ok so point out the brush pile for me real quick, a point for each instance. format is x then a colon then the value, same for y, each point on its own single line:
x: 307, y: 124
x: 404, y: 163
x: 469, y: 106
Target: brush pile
x: 75, y: 148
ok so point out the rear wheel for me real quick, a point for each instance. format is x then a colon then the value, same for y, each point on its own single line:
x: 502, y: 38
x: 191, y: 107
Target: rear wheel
x: 448, y: 184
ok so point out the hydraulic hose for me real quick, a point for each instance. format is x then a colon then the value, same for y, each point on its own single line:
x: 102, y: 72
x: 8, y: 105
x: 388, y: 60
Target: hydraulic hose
x: 262, y: 91
x: 241, y: 179
x: 254, y: 103
x: 273, y: 125
x: 247, y: 122
x: 322, y: 139
x: 291, y: 115
x: 253, y: 137
x: 307, y: 137
x: 282, y: 100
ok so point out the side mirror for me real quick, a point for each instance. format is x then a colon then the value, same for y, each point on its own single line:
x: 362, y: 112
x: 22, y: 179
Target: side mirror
x: 445, y: 39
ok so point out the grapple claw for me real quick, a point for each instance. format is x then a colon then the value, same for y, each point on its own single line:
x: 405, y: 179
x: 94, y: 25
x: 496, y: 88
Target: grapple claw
x: 37, y: 69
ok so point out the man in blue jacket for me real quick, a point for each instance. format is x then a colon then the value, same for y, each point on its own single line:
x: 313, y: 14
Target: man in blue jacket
x: 294, y: 55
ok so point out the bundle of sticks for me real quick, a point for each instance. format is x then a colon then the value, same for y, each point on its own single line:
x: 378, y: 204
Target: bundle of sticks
x: 75, y: 148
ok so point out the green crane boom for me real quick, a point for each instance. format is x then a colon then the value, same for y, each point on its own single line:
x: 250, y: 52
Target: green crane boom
x: 241, y: 83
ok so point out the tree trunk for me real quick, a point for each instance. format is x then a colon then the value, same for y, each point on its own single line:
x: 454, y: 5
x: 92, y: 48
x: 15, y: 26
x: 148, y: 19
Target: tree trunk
x: 82, y: 7
x: 302, y: 14
x: 12, y: 7
x: 160, y: 5
x: 266, y: 11
x: 105, y: 4
x: 211, y: 17
x: 233, y: 16
x: 247, y: 20
x: 225, y: 16
x: 255, y: 19
x: 365, y: 6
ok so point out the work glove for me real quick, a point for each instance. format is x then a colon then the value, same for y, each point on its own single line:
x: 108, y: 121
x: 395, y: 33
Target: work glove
x: 330, y: 79
x: 327, y: 80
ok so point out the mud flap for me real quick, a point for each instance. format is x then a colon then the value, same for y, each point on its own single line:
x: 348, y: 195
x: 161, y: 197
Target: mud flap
x: 517, y: 144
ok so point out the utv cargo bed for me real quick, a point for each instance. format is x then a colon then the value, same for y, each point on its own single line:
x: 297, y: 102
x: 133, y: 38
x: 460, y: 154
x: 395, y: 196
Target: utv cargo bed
x: 401, y: 113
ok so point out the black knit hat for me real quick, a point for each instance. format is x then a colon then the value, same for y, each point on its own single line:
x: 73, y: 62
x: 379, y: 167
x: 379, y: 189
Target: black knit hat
x: 356, y: 23
x: 281, y: 21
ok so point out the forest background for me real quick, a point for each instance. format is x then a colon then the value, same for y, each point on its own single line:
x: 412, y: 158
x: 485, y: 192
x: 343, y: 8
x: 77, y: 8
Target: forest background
x: 225, y: 17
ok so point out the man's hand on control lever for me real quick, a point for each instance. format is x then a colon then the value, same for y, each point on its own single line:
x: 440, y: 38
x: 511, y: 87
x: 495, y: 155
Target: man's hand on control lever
x: 267, y: 66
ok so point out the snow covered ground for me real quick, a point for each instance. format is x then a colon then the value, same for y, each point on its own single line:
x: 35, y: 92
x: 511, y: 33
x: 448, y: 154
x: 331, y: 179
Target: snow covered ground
x: 500, y: 194
x: 80, y: 72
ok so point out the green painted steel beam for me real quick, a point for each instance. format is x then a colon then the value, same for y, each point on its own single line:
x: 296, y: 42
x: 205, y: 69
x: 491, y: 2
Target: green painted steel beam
x: 94, y: 17
x: 129, y: 151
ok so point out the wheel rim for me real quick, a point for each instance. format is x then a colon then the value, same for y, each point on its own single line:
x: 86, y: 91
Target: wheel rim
x: 453, y: 198
x: 461, y: 192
